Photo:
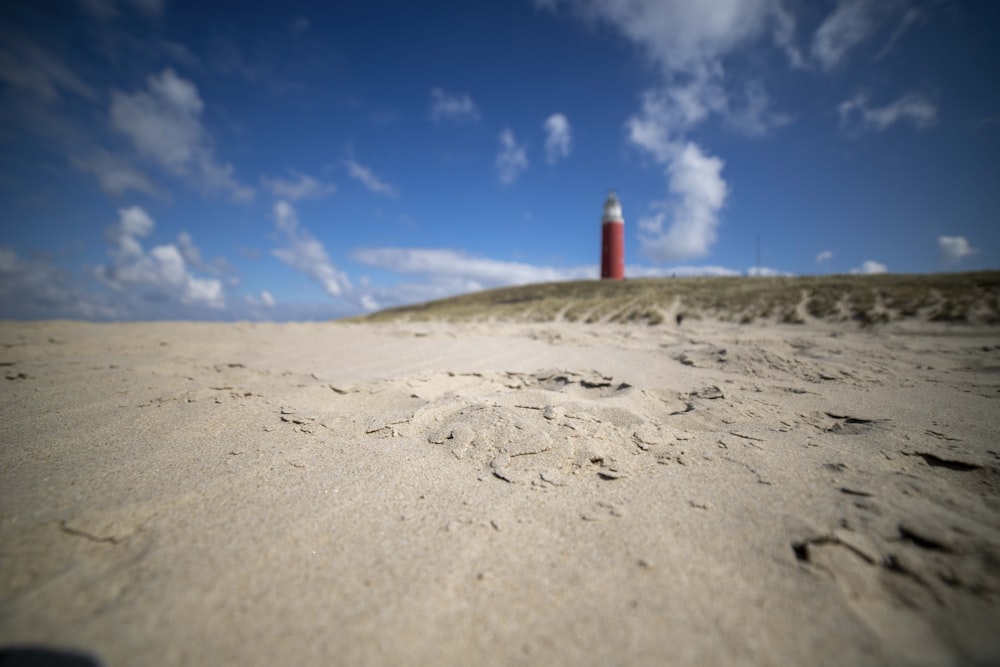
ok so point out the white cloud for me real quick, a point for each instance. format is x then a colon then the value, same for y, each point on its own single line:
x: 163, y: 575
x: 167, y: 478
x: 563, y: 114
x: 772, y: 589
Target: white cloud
x: 367, y: 177
x: 679, y: 271
x: 767, y: 272
x: 192, y: 255
x: 219, y: 177
x: 669, y: 112
x: 190, y: 252
x: 698, y: 193
x: 912, y: 108
x: 672, y: 110
x: 176, y: 52
x: 34, y: 288
x: 133, y: 224
x: 305, y: 253
x: 783, y: 35
x: 870, y: 267
x: 689, y: 41
x: 697, y: 188
x: 909, y: 18
x: 31, y: 68
x: 163, y: 124
x: 755, y: 118
x: 162, y: 272
x: 457, y: 107
x: 558, y: 137
x: 824, y: 256
x: 444, y: 272
x: 681, y: 36
x: 299, y: 186
x: 262, y: 299
x: 115, y: 175
x: 955, y: 248
x: 461, y: 268
x: 851, y: 22
x: 105, y: 9
x: 512, y: 158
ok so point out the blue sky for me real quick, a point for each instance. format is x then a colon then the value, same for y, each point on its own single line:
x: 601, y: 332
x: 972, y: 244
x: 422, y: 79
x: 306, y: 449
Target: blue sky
x: 212, y: 160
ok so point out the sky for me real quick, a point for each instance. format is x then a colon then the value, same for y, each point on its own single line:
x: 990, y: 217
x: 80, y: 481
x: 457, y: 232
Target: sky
x: 165, y: 159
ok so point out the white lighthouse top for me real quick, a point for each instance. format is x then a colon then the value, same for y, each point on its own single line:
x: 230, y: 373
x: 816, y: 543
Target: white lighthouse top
x: 612, y: 209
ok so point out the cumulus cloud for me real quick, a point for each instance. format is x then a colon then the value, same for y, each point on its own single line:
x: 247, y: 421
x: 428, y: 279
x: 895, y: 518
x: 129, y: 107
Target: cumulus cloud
x: 685, y: 226
x: 302, y: 251
x: 912, y: 108
x: 681, y: 36
x: 367, y: 177
x: 824, y: 256
x: 870, y: 267
x: 512, y: 158
x: 670, y: 111
x: 163, y: 123
x: 955, y: 248
x: 558, y: 138
x: 162, y: 282
x: 457, y: 107
x: 689, y: 41
x: 33, y: 287
x: 675, y: 109
x: 298, y: 186
x: 162, y: 272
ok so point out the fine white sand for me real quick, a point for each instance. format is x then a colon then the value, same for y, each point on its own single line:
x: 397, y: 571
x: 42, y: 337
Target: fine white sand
x: 457, y: 494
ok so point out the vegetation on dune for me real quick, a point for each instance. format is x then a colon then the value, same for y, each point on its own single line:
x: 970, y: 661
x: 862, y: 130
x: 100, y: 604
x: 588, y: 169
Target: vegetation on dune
x: 868, y: 300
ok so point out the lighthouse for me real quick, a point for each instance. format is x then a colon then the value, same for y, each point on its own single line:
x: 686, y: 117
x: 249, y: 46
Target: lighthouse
x: 612, y: 239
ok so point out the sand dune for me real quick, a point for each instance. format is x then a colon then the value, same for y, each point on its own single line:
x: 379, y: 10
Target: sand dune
x: 869, y: 300
x: 502, y: 493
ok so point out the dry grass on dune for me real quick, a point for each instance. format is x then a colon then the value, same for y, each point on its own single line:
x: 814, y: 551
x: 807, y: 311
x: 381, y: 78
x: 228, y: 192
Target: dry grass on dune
x: 952, y: 297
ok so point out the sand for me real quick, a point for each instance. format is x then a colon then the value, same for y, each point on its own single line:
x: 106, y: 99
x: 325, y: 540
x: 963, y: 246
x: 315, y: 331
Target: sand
x: 493, y: 493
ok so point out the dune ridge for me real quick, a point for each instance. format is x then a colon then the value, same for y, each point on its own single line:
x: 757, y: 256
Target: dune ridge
x: 865, y: 299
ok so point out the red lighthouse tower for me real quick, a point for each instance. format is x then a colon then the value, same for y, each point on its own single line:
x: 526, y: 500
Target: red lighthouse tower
x: 612, y: 239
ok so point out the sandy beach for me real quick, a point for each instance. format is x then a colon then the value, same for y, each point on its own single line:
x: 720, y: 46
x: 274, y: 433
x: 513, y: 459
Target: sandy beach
x: 428, y: 493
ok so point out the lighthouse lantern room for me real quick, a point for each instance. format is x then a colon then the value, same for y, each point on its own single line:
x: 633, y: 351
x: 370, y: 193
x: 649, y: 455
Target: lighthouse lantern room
x: 612, y: 239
